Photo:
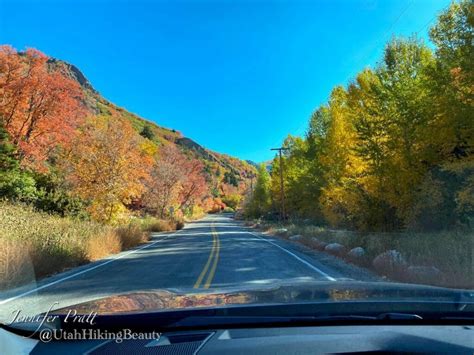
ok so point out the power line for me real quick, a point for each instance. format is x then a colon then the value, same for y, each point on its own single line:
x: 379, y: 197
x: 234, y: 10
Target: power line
x: 398, y: 17
x: 427, y: 24
x: 383, y: 38
x: 433, y: 18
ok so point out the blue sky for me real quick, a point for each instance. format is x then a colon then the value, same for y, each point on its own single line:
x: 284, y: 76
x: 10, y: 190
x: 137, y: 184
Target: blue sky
x: 236, y: 76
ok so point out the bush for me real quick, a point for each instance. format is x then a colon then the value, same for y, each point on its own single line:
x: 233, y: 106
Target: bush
x: 232, y: 200
x: 35, y: 244
x: 17, y: 185
x: 151, y: 224
x: 147, y: 132
x: 444, y: 200
x: 161, y: 225
x: 194, y: 212
x: 179, y: 225
x: 131, y: 235
x: 99, y: 246
x: 60, y: 203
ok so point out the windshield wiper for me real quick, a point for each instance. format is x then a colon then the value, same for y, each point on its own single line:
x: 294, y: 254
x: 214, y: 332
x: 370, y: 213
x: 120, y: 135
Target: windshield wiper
x: 265, y: 321
x: 229, y: 321
x: 399, y: 316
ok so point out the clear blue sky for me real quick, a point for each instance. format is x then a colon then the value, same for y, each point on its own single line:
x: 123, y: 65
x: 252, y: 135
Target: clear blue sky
x: 236, y: 76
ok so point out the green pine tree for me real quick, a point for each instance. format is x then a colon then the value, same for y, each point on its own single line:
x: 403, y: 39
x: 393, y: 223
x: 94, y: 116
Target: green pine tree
x: 8, y: 159
x: 14, y: 183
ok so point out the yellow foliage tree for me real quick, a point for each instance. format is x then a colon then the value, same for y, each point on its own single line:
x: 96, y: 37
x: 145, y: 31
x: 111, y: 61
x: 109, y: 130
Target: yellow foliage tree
x: 107, y: 166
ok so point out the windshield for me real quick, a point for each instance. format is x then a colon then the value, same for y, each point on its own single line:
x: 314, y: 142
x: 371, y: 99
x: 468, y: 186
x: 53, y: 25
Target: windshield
x: 182, y: 155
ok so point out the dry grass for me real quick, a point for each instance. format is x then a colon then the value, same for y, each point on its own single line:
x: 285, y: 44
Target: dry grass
x: 15, y: 264
x: 131, y: 235
x: 154, y: 225
x: 54, y: 243
x: 99, y: 246
x: 449, y: 251
x: 157, y: 225
x: 36, y: 244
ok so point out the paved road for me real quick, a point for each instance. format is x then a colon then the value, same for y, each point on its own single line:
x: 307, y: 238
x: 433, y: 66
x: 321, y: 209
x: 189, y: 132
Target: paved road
x: 213, y: 253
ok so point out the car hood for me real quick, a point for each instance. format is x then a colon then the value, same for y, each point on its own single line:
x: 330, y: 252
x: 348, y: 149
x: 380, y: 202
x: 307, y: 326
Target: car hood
x: 330, y: 292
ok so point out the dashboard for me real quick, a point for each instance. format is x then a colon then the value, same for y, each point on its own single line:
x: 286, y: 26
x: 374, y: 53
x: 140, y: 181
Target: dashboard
x: 291, y: 340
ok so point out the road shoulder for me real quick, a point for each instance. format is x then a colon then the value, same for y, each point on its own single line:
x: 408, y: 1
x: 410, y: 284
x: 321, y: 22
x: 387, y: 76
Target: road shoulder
x: 334, y: 266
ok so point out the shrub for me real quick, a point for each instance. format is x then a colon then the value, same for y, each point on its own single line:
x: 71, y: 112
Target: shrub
x: 147, y: 132
x: 152, y: 224
x: 131, y: 235
x: 232, y: 200
x: 194, y: 212
x: 60, y: 203
x: 18, y: 185
x: 99, y: 246
x: 179, y: 224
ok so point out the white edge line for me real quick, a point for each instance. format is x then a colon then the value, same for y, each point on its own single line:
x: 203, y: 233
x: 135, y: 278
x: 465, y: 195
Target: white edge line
x: 84, y: 271
x: 297, y: 257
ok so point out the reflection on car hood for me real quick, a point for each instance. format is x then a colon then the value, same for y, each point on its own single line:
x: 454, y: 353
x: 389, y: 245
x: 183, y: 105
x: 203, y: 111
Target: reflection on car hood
x: 160, y: 300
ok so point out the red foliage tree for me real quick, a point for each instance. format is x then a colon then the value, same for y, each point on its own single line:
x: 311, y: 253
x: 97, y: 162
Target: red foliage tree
x: 175, y: 181
x: 193, y: 185
x: 39, y: 107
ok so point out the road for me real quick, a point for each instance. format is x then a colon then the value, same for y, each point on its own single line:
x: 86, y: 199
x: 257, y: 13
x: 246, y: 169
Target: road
x: 215, y: 252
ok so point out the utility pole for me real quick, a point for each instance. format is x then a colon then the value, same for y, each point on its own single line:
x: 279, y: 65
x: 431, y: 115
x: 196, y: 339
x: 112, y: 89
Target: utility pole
x: 252, y: 176
x: 282, y: 187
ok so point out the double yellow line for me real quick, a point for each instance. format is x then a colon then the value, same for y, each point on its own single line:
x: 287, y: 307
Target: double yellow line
x: 213, y: 259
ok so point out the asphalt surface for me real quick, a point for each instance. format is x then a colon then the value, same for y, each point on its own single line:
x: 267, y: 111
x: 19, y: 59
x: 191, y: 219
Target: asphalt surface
x: 215, y: 252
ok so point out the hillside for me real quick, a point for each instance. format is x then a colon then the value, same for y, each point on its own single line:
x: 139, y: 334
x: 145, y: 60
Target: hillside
x: 66, y: 149
x: 215, y: 163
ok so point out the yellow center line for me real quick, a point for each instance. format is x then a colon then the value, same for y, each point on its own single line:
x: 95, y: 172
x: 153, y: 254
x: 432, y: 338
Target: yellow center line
x: 209, y: 260
x: 216, y: 260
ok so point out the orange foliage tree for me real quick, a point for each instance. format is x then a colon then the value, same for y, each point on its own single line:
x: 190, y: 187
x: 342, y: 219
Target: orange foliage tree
x: 175, y: 181
x: 107, y: 166
x: 193, y: 185
x: 39, y: 107
x: 163, y: 186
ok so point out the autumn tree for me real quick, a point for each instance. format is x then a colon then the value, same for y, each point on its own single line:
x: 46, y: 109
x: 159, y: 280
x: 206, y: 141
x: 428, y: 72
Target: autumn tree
x: 339, y: 164
x: 452, y: 78
x: 451, y: 98
x: 163, y: 186
x: 39, y: 107
x: 193, y: 185
x: 260, y: 198
x: 297, y: 179
x: 394, y: 149
x: 107, y: 166
x: 175, y: 181
x: 232, y: 195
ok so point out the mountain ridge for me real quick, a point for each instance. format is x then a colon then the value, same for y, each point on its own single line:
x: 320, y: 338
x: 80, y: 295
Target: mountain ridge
x: 214, y: 161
